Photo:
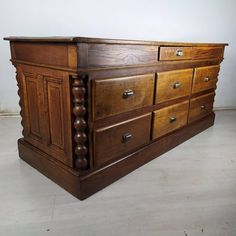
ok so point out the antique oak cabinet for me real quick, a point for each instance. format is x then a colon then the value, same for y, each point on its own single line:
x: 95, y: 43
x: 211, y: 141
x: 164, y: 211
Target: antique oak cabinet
x: 94, y: 110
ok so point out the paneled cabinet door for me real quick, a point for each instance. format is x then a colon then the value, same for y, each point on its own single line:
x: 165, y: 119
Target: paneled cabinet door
x: 31, y: 90
x: 46, y: 111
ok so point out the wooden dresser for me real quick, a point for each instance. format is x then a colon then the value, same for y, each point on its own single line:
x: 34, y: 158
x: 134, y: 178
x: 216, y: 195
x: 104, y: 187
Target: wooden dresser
x: 94, y: 110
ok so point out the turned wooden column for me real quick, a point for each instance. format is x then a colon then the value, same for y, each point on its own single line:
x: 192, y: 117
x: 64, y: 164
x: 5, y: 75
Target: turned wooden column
x: 20, y: 90
x: 79, y: 111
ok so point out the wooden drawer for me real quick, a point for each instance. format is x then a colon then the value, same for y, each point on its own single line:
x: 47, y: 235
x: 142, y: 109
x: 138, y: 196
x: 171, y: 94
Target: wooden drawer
x: 200, y: 107
x: 169, y: 118
x: 112, y: 141
x: 187, y: 53
x: 110, y: 55
x: 175, y: 53
x: 205, y: 78
x: 118, y: 95
x: 173, y: 84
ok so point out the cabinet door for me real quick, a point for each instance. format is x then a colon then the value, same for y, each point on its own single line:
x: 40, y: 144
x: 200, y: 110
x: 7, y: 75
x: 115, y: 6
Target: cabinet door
x: 46, y: 111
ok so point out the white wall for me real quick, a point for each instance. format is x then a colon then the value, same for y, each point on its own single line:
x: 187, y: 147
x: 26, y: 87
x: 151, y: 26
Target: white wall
x: 176, y: 20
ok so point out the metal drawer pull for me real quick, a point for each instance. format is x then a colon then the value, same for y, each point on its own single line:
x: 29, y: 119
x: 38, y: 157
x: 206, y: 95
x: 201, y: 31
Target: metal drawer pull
x: 203, y: 107
x: 179, y: 53
x: 172, y: 119
x: 128, y: 93
x: 126, y: 137
x: 206, y: 79
x: 176, y: 85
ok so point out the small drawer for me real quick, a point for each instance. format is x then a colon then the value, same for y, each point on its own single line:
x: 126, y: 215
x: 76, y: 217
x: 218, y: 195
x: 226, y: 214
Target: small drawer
x: 200, y: 107
x: 205, y: 78
x: 173, y: 84
x: 175, y: 53
x: 169, y: 118
x: 121, y: 138
x: 118, y: 95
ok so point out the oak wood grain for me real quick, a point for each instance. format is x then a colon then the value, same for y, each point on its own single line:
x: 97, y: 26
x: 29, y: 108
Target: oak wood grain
x: 173, y: 84
x: 169, y: 118
x: 112, y: 141
x: 200, y: 107
x: 104, y: 55
x: 207, y: 52
x: 46, y: 112
x: 108, y: 95
x: 63, y: 55
x: 205, y: 78
x: 171, y: 53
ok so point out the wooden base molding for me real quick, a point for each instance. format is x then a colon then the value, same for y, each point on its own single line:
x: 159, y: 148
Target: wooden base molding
x: 86, y: 185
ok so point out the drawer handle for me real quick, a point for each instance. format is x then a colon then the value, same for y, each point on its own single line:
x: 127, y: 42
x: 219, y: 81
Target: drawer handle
x: 206, y: 79
x: 172, y: 119
x: 203, y: 107
x: 179, y: 52
x: 176, y: 85
x: 126, y: 137
x: 128, y: 93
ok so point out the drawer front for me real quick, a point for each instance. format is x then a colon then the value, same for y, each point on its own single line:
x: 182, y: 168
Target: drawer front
x: 110, y: 142
x: 107, y: 55
x: 207, y: 52
x: 175, y: 53
x: 169, y: 118
x: 200, y: 107
x: 117, y: 95
x: 173, y: 84
x: 205, y: 78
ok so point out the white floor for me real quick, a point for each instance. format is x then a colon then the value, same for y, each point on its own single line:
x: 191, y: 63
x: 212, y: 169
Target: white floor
x: 189, y: 191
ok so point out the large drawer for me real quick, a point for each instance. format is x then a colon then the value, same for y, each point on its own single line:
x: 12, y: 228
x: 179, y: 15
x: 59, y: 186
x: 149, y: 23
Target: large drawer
x: 205, y: 78
x: 118, y: 95
x: 200, y: 107
x: 173, y: 84
x: 169, y: 118
x: 112, y: 141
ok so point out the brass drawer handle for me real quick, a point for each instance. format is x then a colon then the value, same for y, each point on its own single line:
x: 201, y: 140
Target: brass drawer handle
x: 126, y: 137
x: 206, y: 79
x: 179, y: 52
x: 128, y: 93
x: 176, y: 85
x: 203, y: 107
x: 172, y: 119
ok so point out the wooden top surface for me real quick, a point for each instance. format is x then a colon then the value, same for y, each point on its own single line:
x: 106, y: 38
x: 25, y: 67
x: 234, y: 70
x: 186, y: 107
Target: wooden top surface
x: 105, y: 41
